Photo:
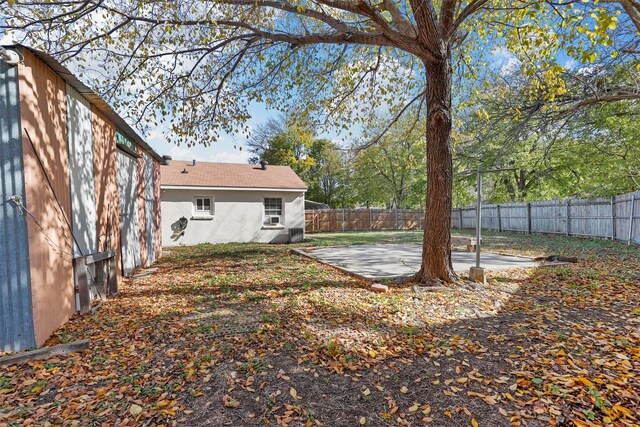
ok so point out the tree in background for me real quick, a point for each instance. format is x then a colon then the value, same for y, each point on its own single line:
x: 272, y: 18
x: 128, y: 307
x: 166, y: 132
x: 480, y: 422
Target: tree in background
x: 198, y: 64
x: 555, y: 147
x: 391, y: 172
x: 319, y: 162
x: 327, y: 177
x: 283, y: 142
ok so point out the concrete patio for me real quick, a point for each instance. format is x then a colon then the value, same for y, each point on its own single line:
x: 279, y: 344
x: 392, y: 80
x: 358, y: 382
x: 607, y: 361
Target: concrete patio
x: 400, y: 261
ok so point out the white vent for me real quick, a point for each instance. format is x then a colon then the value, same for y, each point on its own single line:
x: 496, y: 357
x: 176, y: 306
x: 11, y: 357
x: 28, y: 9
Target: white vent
x: 274, y: 219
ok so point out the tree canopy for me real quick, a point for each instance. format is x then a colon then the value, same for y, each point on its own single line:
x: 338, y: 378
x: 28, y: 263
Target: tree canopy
x: 198, y: 64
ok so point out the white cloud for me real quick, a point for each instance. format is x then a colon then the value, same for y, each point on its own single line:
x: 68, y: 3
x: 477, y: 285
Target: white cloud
x: 6, y: 39
x: 182, y: 153
x: 230, y: 157
x: 505, y: 60
x: 510, y: 66
x: 571, y: 63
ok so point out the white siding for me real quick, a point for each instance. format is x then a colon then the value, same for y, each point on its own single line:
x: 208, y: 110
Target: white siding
x: 238, y: 217
x: 82, y: 182
x: 129, y: 228
x: 149, y: 210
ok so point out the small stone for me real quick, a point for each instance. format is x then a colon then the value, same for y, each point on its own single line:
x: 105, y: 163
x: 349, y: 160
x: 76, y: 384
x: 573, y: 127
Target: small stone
x: 378, y: 287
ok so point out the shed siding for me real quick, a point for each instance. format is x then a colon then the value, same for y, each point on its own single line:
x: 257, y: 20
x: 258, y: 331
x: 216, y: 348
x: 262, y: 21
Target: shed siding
x: 129, y: 231
x: 83, y: 192
x: 16, y: 317
x: 149, y: 208
x: 157, y: 218
x: 44, y: 116
x: 142, y: 217
x: 104, y: 164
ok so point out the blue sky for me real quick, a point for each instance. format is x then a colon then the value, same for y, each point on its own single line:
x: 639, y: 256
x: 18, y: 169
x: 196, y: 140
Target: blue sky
x: 226, y: 149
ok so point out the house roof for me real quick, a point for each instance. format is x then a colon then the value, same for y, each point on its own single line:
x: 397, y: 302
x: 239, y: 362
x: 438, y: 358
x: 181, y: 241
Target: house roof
x: 92, y: 97
x: 229, y: 175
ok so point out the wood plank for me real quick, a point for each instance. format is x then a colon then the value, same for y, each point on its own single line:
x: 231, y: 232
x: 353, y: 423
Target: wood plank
x: 45, y: 353
x: 81, y: 280
x: 99, y: 256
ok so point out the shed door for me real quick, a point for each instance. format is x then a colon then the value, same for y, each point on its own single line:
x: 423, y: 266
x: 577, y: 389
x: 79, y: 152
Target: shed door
x: 129, y: 229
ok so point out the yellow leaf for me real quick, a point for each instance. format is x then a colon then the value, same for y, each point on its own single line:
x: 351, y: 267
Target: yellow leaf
x: 363, y: 421
x: 294, y: 393
x: 474, y: 423
x: 585, y: 382
x: 414, y: 408
x: 366, y: 392
x: 404, y: 390
x: 135, y: 410
x: 373, y: 353
x: 622, y: 409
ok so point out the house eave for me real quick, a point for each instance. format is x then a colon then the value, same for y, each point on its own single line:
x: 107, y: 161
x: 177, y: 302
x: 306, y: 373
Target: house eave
x: 203, y: 188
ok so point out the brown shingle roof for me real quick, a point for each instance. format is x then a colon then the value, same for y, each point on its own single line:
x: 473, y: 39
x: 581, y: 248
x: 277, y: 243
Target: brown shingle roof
x: 205, y: 174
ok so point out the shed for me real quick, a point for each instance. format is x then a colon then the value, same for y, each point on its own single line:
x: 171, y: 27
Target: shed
x: 79, y: 198
x: 226, y: 202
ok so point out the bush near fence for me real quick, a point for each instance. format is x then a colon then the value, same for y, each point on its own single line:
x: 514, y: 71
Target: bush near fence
x: 613, y: 218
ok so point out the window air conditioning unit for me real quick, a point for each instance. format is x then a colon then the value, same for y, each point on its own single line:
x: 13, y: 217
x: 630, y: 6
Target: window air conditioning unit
x: 274, y: 219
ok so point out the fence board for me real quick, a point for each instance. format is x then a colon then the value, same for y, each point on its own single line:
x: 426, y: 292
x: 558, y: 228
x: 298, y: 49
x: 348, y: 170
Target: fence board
x: 614, y: 218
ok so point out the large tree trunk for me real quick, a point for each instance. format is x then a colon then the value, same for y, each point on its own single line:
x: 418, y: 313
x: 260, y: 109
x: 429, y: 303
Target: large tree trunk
x: 436, y: 246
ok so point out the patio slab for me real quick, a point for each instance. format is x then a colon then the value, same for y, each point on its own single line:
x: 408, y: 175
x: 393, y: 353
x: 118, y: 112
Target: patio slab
x: 400, y: 261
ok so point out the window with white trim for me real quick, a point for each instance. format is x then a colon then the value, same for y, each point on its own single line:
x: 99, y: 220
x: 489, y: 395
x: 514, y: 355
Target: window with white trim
x: 203, y: 206
x: 272, y: 206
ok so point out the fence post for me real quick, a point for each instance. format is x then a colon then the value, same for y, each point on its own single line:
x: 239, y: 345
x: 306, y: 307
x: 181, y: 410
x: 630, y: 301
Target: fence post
x: 460, y: 214
x: 568, y: 218
x: 499, y: 220
x: 631, y: 215
x: 342, y: 219
x: 613, y: 218
x: 370, y: 220
x: 528, y: 218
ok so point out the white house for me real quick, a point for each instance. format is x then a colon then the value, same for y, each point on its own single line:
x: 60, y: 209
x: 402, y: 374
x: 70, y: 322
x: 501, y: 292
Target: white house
x: 224, y: 202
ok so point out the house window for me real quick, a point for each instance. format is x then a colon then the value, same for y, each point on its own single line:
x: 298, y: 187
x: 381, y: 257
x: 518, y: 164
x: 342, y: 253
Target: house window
x: 272, y: 206
x: 202, y: 206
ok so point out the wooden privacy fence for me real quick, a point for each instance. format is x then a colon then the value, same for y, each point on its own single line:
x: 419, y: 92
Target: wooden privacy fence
x: 613, y: 218
x: 327, y: 220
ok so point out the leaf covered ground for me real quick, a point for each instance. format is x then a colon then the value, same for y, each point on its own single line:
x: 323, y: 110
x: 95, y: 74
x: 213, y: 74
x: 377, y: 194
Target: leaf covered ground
x: 250, y: 334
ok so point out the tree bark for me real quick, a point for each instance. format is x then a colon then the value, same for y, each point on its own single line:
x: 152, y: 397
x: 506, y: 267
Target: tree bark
x: 436, y: 247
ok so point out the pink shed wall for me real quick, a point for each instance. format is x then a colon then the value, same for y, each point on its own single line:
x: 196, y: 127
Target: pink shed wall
x: 104, y: 164
x: 43, y: 112
x: 157, y: 235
